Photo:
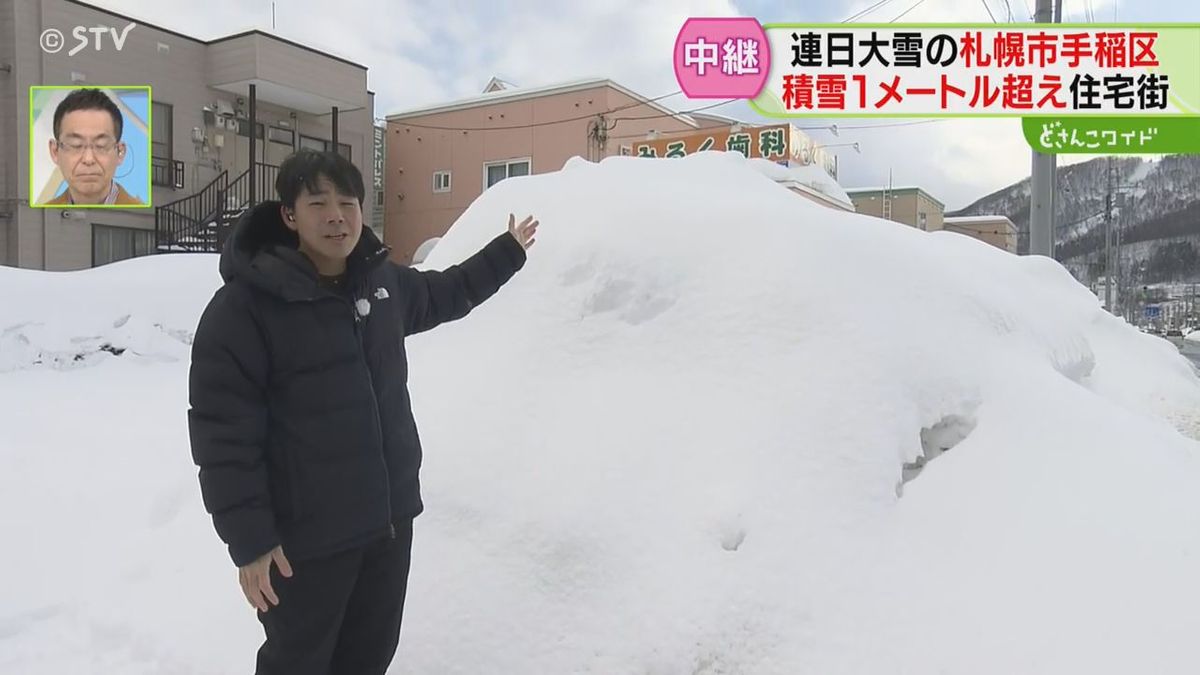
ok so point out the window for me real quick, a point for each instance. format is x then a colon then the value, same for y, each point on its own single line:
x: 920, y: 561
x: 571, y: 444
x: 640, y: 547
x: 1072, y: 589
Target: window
x: 284, y: 136
x: 922, y: 220
x: 322, y: 145
x: 310, y: 143
x: 162, y: 150
x: 626, y: 150
x: 244, y: 129
x: 441, y: 181
x: 496, y: 172
x: 161, y: 133
x: 110, y: 244
x: 379, y: 198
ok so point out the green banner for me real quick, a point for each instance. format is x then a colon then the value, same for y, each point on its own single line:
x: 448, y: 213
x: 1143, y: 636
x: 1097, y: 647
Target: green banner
x: 1112, y: 135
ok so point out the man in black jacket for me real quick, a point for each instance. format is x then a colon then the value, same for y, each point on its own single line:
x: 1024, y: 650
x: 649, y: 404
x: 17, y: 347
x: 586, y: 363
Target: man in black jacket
x: 300, y: 416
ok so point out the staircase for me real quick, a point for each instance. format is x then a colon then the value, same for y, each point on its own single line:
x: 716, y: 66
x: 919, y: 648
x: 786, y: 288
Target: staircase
x: 200, y: 223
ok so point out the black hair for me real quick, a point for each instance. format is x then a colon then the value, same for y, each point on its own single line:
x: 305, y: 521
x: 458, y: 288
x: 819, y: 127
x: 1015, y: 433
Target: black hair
x: 303, y: 168
x: 88, y: 99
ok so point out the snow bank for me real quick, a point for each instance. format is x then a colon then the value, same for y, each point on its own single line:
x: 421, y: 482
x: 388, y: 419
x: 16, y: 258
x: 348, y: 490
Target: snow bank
x: 147, y: 307
x: 674, y: 443
x: 809, y: 175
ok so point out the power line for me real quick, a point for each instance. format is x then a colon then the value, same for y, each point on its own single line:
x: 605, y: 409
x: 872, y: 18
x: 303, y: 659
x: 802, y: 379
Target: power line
x: 684, y: 112
x: 906, y: 11
x: 866, y: 11
x: 881, y: 126
x: 989, y: 11
x: 552, y: 122
x: 1008, y: 8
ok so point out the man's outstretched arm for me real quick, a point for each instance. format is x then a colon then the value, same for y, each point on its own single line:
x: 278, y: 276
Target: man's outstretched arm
x: 435, y: 297
x: 227, y: 424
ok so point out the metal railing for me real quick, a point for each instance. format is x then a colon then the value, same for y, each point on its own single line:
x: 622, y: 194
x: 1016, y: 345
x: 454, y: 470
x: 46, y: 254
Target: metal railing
x: 166, y: 172
x: 177, y: 220
x: 202, y: 221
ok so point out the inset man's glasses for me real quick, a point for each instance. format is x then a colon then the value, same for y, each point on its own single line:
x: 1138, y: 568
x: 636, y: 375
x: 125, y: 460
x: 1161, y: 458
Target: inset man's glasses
x: 103, y: 146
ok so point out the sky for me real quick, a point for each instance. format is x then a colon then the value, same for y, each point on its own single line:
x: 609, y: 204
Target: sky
x: 421, y: 53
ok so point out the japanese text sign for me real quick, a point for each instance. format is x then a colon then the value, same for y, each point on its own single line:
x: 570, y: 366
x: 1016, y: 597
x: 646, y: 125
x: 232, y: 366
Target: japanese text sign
x: 943, y: 70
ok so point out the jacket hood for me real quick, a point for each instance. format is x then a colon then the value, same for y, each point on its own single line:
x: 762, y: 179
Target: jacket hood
x: 262, y: 251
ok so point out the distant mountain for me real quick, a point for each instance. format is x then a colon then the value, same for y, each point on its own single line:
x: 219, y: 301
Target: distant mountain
x: 1159, y: 223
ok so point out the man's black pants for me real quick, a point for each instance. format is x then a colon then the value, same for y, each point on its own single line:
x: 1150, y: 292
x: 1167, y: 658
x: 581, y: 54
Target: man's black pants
x: 338, y: 615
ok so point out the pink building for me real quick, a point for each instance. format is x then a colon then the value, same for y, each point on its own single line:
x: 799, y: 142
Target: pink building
x: 440, y: 158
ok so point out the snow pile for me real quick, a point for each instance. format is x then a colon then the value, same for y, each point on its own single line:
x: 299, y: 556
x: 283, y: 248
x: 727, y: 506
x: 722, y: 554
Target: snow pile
x: 142, y: 308
x: 676, y: 443
x: 809, y: 175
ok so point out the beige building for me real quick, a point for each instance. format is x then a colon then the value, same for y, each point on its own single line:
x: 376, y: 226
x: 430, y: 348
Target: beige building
x: 909, y: 205
x: 205, y: 94
x: 441, y: 158
x: 998, y: 231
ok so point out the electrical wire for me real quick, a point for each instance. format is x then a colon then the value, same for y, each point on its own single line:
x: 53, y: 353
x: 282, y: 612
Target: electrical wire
x: 866, y: 11
x: 878, y: 126
x: 907, y: 11
x: 989, y: 11
x: 684, y: 112
x: 552, y: 122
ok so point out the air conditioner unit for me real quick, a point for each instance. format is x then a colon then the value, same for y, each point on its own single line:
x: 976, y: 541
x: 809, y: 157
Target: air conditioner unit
x: 224, y: 108
x: 231, y: 126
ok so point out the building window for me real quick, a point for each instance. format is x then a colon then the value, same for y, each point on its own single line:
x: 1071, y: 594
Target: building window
x: 495, y: 172
x: 922, y: 220
x: 110, y: 244
x: 441, y: 181
x: 282, y: 136
x: 162, y: 150
x: 379, y: 199
x: 322, y: 145
x: 243, y: 129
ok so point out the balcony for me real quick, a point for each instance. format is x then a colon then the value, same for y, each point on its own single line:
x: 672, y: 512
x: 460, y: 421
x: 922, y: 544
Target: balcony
x: 166, y: 172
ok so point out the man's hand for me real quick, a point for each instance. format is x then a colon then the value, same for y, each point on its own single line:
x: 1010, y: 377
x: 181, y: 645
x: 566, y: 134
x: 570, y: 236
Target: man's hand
x: 255, y: 579
x: 524, y: 232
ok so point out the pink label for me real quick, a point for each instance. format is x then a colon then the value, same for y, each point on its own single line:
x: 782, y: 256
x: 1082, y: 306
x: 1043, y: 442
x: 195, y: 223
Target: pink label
x: 722, y: 58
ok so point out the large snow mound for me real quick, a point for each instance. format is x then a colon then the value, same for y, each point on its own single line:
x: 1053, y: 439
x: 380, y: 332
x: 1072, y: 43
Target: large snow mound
x: 140, y: 308
x: 810, y: 175
x: 674, y: 443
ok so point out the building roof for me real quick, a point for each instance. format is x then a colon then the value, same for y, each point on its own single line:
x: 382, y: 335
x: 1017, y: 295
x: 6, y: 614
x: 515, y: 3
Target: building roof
x: 496, y: 84
x: 215, y: 40
x: 967, y: 220
x: 521, y: 94
x: 895, y: 188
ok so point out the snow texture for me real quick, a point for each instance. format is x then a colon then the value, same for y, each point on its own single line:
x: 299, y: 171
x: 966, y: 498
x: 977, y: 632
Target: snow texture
x: 675, y: 443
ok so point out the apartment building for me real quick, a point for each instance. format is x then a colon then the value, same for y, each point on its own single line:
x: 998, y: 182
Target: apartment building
x: 225, y: 112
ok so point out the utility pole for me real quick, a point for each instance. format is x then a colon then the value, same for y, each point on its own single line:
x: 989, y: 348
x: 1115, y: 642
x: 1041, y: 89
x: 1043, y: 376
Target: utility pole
x: 1041, y: 182
x: 1108, y: 259
x: 1119, y: 223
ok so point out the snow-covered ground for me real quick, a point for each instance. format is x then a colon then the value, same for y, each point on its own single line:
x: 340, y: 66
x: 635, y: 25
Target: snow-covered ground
x: 672, y: 444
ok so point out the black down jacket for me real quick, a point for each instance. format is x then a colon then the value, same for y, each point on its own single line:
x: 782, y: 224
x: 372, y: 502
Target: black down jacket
x: 300, y: 418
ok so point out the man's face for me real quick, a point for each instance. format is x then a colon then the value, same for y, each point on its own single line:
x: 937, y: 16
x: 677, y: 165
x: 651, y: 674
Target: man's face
x: 88, y: 154
x: 329, y: 224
